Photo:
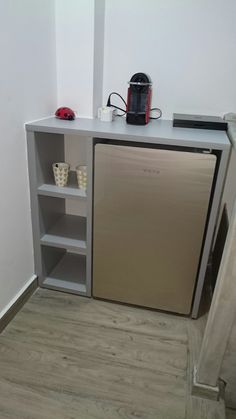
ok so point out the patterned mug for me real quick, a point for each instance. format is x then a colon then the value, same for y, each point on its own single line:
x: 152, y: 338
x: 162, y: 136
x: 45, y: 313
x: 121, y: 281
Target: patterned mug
x: 81, y: 172
x: 61, y: 172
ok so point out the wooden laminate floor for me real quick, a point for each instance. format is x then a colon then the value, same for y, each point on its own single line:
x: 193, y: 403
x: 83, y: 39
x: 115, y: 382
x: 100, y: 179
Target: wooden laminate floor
x: 230, y: 414
x: 69, y: 357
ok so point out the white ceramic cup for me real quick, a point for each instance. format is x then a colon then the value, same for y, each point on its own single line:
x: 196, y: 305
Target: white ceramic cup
x: 106, y: 113
x: 81, y: 172
x: 61, y: 172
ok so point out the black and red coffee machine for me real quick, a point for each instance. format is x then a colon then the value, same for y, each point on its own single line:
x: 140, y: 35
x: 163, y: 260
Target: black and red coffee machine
x: 139, y: 99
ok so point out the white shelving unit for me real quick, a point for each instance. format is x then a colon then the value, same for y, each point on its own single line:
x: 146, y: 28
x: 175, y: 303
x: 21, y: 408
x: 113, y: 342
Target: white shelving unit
x: 62, y: 240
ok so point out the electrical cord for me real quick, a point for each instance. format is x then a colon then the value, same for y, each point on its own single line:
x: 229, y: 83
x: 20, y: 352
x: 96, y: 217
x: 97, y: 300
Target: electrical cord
x: 117, y: 107
x: 125, y: 111
x: 160, y: 113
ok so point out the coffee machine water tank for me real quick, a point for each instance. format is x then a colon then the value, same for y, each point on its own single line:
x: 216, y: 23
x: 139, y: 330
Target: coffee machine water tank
x: 139, y: 99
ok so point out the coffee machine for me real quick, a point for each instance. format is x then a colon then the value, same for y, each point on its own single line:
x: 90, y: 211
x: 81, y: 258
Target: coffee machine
x: 139, y: 99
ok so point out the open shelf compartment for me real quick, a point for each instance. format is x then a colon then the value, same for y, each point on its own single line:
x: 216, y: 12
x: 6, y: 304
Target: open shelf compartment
x: 71, y: 190
x: 50, y: 148
x: 64, y: 271
x: 62, y: 216
x: 59, y: 229
x: 68, y: 232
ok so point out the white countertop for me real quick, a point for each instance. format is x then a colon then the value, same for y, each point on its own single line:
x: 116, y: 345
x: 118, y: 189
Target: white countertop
x: 232, y: 133
x: 156, y: 132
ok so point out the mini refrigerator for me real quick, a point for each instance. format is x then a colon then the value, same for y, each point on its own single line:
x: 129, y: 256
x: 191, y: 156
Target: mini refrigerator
x: 150, y: 214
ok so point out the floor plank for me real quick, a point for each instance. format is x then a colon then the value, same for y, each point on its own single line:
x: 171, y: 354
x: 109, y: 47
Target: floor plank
x: 69, y: 357
x: 230, y: 414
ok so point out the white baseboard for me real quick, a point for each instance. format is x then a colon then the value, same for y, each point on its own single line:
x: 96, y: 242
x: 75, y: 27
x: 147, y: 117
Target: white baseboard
x: 17, y: 296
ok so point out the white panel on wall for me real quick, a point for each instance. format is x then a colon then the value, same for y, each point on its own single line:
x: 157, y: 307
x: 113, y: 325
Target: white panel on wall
x: 28, y: 91
x: 99, y: 27
x: 74, y: 44
x: 186, y: 46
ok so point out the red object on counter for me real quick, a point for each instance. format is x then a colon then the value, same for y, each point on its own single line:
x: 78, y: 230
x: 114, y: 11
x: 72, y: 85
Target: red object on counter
x: 65, y: 113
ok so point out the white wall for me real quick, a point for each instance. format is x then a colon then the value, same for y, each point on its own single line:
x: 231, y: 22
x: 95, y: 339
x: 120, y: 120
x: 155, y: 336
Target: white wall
x: 228, y: 369
x: 187, y: 47
x: 27, y: 92
x: 74, y: 44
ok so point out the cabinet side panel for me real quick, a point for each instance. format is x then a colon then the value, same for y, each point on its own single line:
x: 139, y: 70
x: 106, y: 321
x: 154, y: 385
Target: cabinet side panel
x: 89, y: 214
x: 34, y: 203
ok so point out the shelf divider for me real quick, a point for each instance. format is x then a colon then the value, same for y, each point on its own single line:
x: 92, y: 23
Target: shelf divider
x: 69, y: 232
x: 66, y: 286
x: 69, y: 191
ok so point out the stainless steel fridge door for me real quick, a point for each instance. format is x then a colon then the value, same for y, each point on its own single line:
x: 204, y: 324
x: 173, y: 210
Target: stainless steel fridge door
x: 150, y: 208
